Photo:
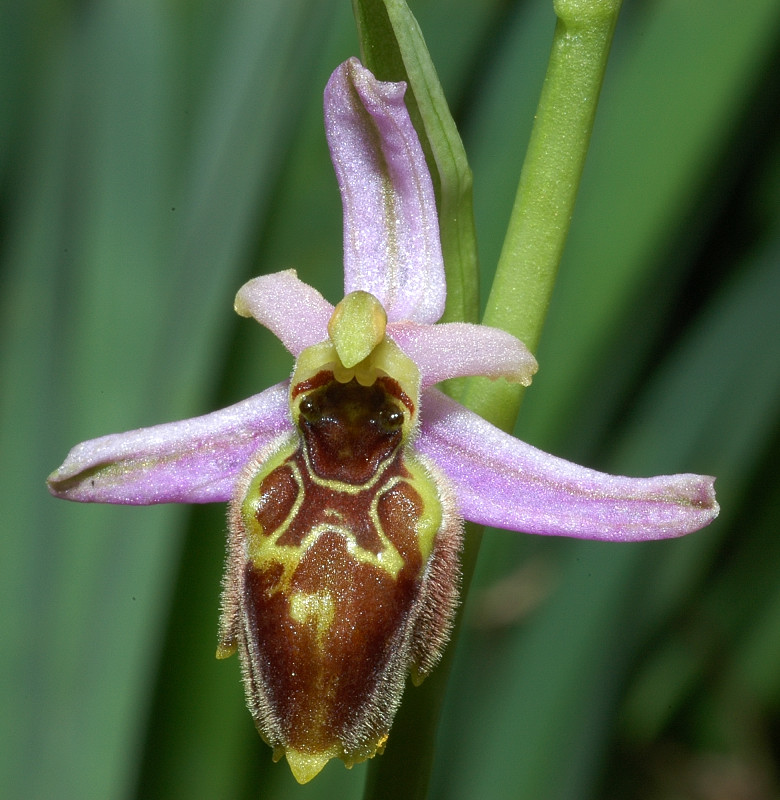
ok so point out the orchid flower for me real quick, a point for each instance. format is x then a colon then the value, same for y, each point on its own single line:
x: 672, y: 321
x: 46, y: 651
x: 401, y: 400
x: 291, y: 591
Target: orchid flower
x: 348, y: 483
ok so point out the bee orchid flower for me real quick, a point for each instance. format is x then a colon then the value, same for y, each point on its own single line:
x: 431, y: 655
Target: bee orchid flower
x: 348, y: 484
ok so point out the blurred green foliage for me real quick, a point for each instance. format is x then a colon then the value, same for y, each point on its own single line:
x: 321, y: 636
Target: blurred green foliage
x: 155, y: 155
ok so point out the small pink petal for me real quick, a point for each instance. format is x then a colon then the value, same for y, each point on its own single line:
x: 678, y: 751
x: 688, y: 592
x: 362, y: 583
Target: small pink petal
x: 296, y: 312
x: 391, y: 228
x: 193, y: 461
x: 459, y: 349
x: 505, y: 483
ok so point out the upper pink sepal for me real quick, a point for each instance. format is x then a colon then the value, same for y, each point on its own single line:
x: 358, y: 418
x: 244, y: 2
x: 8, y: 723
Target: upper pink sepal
x: 505, y: 483
x: 391, y: 228
x: 193, y: 461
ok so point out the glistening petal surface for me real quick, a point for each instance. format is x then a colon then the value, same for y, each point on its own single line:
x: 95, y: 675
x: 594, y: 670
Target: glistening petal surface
x: 391, y: 229
x: 460, y: 349
x: 193, y: 461
x: 291, y: 309
x: 505, y: 483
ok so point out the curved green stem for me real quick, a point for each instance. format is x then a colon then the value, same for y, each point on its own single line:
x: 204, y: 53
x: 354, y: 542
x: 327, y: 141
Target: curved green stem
x: 544, y: 203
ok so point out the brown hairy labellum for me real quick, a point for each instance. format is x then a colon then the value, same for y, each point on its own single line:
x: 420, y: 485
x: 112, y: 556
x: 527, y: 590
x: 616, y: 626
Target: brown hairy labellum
x: 342, y: 572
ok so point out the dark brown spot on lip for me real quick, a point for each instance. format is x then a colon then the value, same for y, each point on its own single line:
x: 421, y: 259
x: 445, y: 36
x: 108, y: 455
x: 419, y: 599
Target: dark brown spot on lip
x: 275, y: 499
x: 399, y: 511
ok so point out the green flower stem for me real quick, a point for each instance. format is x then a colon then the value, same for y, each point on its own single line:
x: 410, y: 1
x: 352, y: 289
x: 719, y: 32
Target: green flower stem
x: 518, y: 301
x: 547, y: 190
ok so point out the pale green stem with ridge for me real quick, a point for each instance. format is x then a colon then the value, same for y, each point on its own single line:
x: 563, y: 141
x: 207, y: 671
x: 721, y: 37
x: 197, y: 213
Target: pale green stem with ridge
x: 547, y: 190
x: 517, y: 303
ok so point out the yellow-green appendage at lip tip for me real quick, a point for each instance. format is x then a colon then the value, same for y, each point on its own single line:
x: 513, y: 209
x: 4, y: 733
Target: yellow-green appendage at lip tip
x: 305, y: 766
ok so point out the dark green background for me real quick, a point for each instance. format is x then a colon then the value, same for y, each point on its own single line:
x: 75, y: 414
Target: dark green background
x: 154, y: 155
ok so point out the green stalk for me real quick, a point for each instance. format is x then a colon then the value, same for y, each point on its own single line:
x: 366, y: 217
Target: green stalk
x: 547, y: 190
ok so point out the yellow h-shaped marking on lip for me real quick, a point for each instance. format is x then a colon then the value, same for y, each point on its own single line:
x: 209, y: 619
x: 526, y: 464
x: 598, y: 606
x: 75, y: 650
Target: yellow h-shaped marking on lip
x: 267, y: 550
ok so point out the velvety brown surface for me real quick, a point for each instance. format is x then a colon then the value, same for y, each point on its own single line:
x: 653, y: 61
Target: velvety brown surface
x: 323, y: 670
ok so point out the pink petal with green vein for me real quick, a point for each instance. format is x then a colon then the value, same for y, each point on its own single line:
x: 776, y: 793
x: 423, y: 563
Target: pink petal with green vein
x: 193, y: 461
x: 459, y: 349
x: 391, y: 228
x: 505, y: 483
x: 291, y: 309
